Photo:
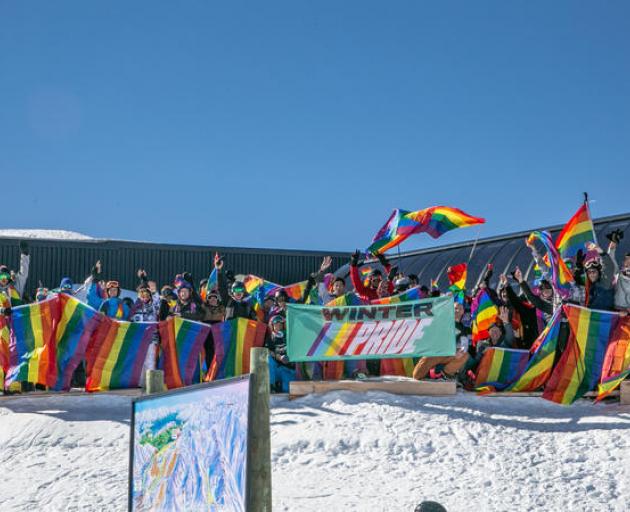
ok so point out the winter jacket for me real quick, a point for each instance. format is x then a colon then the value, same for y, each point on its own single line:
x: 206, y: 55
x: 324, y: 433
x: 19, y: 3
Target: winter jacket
x: 277, y: 345
x: 214, y: 314
x: 601, y: 294
x: 527, y: 316
x: 622, y: 292
x: 145, y: 311
x: 192, y: 310
x: 365, y: 292
x: 114, y: 307
x: 234, y: 308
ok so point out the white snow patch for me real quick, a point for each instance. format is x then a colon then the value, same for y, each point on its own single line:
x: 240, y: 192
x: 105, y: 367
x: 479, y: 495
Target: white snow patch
x: 346, y: 451
x: 50, y: 234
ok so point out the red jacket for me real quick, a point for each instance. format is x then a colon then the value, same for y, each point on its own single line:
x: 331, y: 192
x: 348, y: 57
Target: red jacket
x: 366, y: 293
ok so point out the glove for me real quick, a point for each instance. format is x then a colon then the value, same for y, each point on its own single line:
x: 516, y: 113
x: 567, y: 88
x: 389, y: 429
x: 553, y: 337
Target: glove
x: 354, y: 259
x: 284, y: 359
x: 23, y: 247
x: 382, y: 259
x: 579, y: 259
x: 615, y: 236
x: 188, y: 277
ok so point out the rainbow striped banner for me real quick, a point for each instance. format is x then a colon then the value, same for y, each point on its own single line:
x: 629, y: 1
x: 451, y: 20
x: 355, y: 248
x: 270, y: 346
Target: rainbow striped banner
x: 539, y: 367
x: 576, y: 233
x: 116, y: 354
x: 406, y: 296
x: 484, y: 314
x: 434, y: 221
x: 561, y: 276
x: 616, y: 365
x: 580, y: 366
x: 181, y: 343
x: 500, y: 367
x: 73, y: 332
x: 32, y: 347
x: 373, y: 331
x: 233, y: 341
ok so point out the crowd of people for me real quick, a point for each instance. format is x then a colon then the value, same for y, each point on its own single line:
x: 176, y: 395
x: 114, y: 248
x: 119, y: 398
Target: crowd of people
x: 523, y: 309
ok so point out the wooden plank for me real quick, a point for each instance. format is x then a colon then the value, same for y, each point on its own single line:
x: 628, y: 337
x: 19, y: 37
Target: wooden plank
x: 72, y: 392
x: 397, y: 387
x: 624, y: 393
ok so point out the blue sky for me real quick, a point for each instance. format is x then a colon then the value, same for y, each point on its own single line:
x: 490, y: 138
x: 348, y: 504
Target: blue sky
x: 300, y: 124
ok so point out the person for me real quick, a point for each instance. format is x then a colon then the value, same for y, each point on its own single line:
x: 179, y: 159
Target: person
x: 600, y: 273
x: 369, y: 292
x: 522, y: 314
x: 66, y: 286
x: 146, y: 309
x: 187, y: 306
x: 622, y: 287
x: 281, y: 370
x: 41, y: 294
x: 95, y: 287
x: 168, y: 300
x: 12, y: 285
x: 214, y: 313
x: 114, y: 306
x: 451, y: 366
x: 236, y: 303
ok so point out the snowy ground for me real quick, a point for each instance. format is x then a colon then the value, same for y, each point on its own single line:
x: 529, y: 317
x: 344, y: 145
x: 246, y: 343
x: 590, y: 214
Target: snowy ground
x: 345, y: 451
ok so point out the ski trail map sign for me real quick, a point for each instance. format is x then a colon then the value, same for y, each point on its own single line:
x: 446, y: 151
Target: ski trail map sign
x: 188, y: 448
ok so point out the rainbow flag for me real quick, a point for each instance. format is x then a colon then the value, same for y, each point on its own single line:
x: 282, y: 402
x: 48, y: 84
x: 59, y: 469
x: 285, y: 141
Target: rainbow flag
x: 402, y: 367
x: 457, y: 277
x: 580, y: 366
x: 484, y: 313
x: 255, y: 285
x: 539, y: 367
x: 616, y: 365
x: 411, y: 294
x: 181, y: 342
x: 576, y: 233
x: 77, y: 322
x: 232, y: 342
x: 561, y: 276
x: 500, y: 367
x: 435, y: 221
x: 32, y: 354
x: 296, y: 291
x: 347, y: 299
x: 116, y: 354
x: 211, y: 284
x: 5, y: 340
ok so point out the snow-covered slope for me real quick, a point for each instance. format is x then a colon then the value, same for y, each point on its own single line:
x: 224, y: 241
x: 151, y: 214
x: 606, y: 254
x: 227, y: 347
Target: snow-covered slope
x: 344, y: 451
x: 50, y: 234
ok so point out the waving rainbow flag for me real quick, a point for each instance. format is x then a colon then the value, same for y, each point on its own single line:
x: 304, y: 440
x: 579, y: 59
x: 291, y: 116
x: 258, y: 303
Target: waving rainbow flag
x: 457, y: 277
x: 347, y: 299
x: 32, y: 347
x: 434, y: 221
x: 484, y: 313
x: 616, y: 365
x: 296, y: 291
x: 181, y: 343
x: 232, y: 342
x: 539, y: 367
x: 116, y: 354
x: 580, y: 366
x: 500, y: 367
x: 576, y: 233
x: 77, y: 322
x: 561, y: 276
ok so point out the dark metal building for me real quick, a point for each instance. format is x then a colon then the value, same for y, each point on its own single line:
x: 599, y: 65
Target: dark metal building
x: 53, y: 259
x: 504, y: 252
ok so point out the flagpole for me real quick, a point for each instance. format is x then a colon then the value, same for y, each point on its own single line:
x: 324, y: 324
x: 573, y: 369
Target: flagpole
x: 472, y: 250
x: 588, y: 209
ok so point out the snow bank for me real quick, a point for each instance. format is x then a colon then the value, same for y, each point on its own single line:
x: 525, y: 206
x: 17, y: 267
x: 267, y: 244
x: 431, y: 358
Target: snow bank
x: 345, y: 451
x: 50, y: 234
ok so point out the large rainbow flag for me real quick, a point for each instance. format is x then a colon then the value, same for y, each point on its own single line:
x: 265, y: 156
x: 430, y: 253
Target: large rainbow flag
x: 5, y: 340
x: 232, y: 342
x: 116, y: 354
x: 435, y: 221
x: 580, y: 366
x: 32, y: 356
x: 500, y: 367
x: 181, y: 342
x: 616, y: 365
x: 576, y: 233
x: 347, y: 299
x: 539, y: 367
x: 484, y: 312
x: 73, y: 332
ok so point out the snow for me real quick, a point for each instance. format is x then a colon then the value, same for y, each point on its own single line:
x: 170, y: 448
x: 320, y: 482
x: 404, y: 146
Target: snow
x: 50, y: 234
x: 346, y: 451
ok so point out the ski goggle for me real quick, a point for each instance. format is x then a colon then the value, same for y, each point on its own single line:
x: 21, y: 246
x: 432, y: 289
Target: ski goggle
x: 6, y: 276
x: 238, y: 290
